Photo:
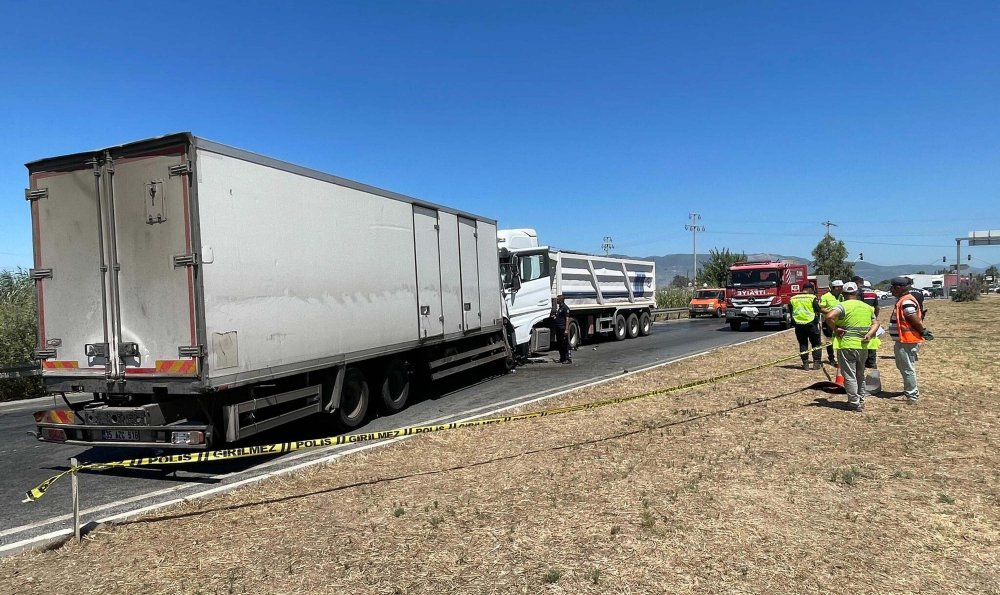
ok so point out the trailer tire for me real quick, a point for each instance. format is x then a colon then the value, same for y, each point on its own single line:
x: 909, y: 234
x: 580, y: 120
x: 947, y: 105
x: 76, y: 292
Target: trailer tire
x: 573, y: 334
x: 395, y: 386
x: 621, y: 332
x: 645, y: 324
x: 734, y: 325
x: 354, y: 399
x: 632, y: 326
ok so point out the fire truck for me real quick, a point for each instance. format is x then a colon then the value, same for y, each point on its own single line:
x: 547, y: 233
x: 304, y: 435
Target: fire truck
x: 759, y: 292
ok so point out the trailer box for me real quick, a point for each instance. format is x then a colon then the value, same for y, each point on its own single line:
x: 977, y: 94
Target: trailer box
x: 179, y: 266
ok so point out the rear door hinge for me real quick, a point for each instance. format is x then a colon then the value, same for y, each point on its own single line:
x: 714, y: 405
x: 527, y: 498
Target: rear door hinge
x: 185, y: 260
x: 33, y: 195
x: 181, y: 169
x: 38, y: 274
x: 191, y: 351
x: 42, y: 354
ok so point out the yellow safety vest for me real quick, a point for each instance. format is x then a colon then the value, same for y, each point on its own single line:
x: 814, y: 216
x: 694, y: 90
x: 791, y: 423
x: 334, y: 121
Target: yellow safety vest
x: 856, y: 321
x: 803, y: 311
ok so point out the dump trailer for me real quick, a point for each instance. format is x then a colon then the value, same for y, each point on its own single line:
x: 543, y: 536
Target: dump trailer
x: 606, y: 295
x: 203, y: 294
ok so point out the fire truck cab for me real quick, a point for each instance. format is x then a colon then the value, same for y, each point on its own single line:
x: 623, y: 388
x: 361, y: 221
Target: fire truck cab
x: 759, y: 292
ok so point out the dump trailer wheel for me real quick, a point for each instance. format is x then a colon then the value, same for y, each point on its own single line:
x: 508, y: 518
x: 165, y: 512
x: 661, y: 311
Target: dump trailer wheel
x: 645, y: 324
x: 632, y: 326
x: 395, y: 386
x: 354, y: 399
x: 573, y: 334
x: 734, y: 325
x: 621, y: 331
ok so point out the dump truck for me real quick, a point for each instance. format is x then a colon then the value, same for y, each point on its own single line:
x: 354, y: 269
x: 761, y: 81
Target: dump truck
x: 202, y: 294
x: 606, y: 295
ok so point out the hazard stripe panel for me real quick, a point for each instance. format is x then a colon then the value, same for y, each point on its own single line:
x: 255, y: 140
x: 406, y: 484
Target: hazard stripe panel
x: 176, y: 366
x: 59, y: 365
x: 55, y: 416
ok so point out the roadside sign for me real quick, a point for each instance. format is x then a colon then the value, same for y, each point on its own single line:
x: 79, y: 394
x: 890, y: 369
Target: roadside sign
x: 984, y: 238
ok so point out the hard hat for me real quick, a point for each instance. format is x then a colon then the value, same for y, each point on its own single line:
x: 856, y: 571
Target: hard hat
x: 850, y: 287
x: 868, y: 284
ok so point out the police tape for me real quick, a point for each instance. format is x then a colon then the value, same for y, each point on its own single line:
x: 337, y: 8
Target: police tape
x: 227, y: 454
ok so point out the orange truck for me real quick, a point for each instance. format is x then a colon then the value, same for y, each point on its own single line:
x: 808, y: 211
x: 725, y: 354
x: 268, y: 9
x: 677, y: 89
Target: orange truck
x: 708, y: 302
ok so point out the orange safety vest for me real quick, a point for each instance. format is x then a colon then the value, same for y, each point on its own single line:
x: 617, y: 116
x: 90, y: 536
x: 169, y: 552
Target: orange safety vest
x: 907, y: 334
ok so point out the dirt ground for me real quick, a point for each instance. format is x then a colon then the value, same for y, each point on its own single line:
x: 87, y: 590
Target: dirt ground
x: 763, y: 483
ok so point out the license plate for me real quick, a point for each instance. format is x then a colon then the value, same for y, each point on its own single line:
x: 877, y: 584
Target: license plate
x: 120, y: 435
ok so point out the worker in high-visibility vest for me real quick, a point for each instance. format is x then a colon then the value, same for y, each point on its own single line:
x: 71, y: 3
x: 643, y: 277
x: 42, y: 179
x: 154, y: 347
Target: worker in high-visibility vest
x: 805, y: 314
x: 853, y: 324
x: 867, y: 295
x: 906, y: 326
x: 827, y: 303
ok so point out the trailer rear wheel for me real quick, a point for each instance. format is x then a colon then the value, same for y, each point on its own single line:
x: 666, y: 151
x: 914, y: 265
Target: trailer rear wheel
x: 632, y: 326
x: 353, y: 400
x: 395, y: 386
x: 645, y: 324
x: 620, y: 330
x: 573, y: 335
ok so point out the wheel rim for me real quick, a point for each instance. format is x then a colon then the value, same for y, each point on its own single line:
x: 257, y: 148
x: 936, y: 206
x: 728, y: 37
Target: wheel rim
x: 396, y: 383
x: 634, y: 327
x: 645, y: 324
x: 353, y: 401
x: 620, y: 327
x: 574, y: 335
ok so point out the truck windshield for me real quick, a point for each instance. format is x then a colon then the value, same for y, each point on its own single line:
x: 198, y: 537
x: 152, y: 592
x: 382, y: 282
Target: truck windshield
x: 708, y: 295
x: 755, y: 278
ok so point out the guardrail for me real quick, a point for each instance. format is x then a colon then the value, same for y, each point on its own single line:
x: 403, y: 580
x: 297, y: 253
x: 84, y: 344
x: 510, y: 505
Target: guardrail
x: 669, y: 313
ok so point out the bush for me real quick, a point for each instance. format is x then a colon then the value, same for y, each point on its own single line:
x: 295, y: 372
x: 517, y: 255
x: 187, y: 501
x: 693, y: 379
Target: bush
x: 967, y: 293
x: 18, y: 324
x: 674, y: 297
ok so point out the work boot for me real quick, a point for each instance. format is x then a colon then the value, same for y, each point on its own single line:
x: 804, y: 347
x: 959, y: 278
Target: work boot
x: 817, y: 365
x: 805, y: 365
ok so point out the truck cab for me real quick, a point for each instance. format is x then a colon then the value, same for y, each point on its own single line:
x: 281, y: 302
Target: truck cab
x: 759, y: 292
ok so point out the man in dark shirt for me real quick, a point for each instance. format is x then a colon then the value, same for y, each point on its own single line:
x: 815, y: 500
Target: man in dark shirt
x: 560, y: 324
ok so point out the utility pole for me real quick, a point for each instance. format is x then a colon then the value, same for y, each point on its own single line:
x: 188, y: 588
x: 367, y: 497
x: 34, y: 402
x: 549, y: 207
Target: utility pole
x: 828, y: 225
x: 607, y: 245
x: 694, y: 228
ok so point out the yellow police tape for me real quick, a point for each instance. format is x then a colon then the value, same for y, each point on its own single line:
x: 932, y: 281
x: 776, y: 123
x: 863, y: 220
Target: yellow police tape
x: 285, y: 447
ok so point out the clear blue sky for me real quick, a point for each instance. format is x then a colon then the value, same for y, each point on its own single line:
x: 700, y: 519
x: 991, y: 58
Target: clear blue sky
x: 579, y: 119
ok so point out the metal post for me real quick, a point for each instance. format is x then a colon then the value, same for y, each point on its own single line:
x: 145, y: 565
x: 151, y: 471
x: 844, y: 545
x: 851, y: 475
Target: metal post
x: 75, y: 486
x: 958, y: 262
x: 694, y: 228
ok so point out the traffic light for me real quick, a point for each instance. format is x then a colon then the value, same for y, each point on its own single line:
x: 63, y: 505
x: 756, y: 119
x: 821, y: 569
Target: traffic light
x: 944, y: 259
x: 861, y: 255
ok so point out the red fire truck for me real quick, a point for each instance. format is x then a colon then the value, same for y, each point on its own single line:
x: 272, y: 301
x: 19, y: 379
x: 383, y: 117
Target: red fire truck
x: 759, y: 292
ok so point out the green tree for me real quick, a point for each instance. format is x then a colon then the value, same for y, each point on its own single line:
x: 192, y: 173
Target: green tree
x: 18, y: 316
x: 679, y: 281
x: 715, y: 272
x: 993, y: 272
x: 830, y: 258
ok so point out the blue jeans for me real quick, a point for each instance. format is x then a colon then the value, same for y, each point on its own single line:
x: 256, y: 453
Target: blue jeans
x: 906, y: 363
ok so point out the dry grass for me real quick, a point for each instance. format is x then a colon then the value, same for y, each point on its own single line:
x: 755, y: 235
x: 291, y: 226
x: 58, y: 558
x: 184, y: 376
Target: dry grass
x: 753, y: 485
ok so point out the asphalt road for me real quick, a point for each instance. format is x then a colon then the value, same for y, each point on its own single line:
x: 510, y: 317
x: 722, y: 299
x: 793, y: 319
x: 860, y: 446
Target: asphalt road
x: 24, y: 462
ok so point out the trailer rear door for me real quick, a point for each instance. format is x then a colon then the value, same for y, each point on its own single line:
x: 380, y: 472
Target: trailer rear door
x: 153, y: 289
x: 72, y: 309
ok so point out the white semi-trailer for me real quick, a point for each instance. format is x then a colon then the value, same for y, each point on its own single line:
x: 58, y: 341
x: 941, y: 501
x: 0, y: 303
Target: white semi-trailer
x: 606, y: 295
x: 204, y: 294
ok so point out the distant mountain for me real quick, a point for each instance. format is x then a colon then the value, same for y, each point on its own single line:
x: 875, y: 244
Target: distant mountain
x: 669, y: 265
